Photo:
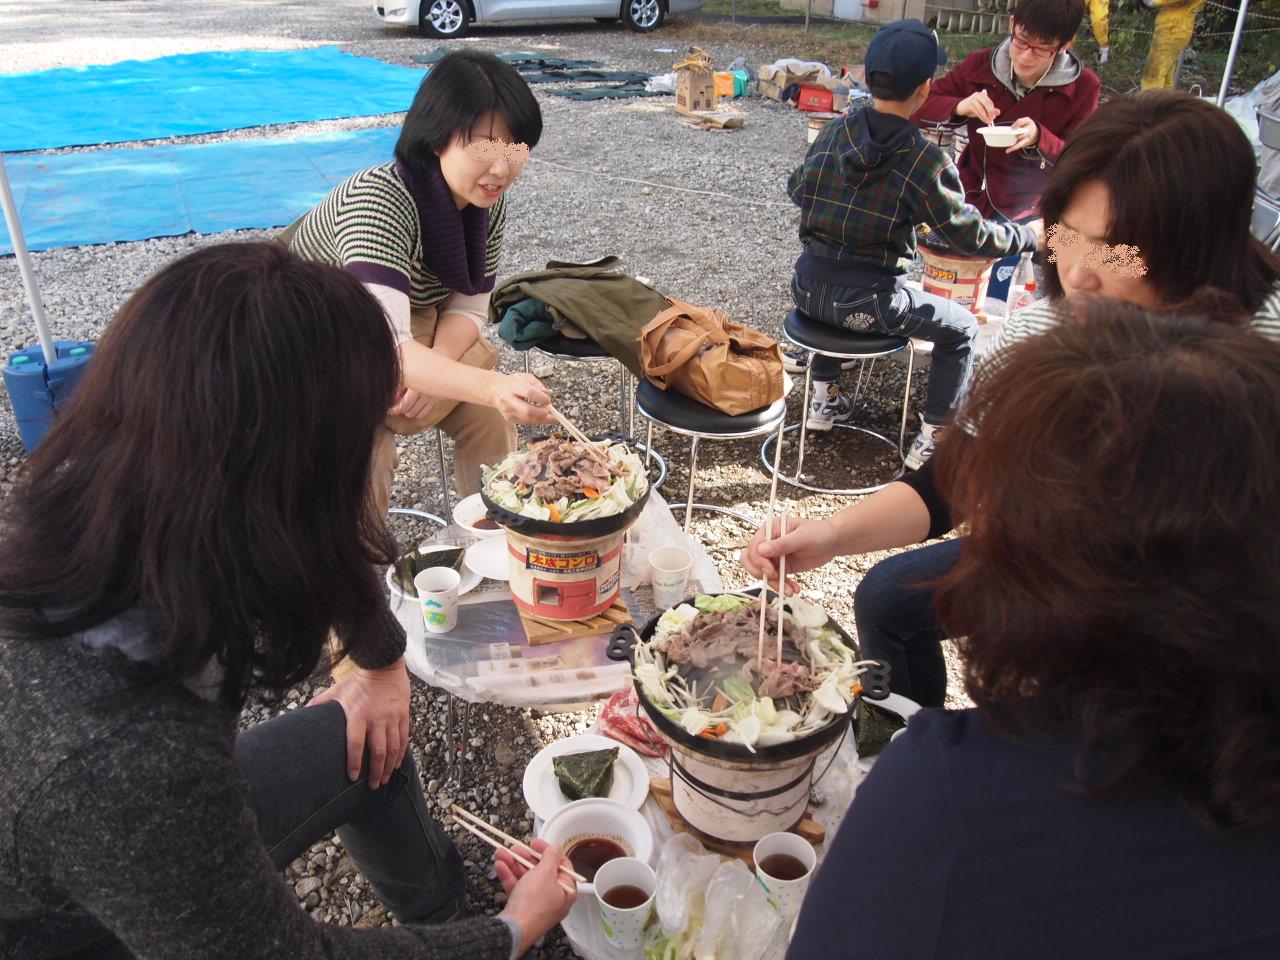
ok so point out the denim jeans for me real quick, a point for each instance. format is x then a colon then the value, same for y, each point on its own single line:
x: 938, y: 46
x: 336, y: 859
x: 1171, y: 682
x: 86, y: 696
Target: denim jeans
x: 902, y: 313
x: 295, y: 766
x: 896, y: 624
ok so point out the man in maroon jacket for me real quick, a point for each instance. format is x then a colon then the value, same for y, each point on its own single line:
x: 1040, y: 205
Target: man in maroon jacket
x: 1031, y: 80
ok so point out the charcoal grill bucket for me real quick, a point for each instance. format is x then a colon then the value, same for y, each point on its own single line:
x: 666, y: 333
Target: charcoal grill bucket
x: 739, y: 802
x: 728, y: 793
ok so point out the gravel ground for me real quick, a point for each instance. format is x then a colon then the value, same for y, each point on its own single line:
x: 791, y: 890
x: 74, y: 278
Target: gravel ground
x: 704, y: 215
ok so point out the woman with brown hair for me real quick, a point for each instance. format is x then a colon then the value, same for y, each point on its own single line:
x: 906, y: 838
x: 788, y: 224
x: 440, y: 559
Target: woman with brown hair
x: 1150, y: 202
x: 1115, y: 793
x: 194, y: 528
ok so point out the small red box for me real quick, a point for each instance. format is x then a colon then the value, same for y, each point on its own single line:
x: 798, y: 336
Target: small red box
x: 814, y: 97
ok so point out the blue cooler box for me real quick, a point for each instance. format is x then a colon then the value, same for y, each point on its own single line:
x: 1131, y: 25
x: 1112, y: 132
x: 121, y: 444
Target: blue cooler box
x: 38, y: 391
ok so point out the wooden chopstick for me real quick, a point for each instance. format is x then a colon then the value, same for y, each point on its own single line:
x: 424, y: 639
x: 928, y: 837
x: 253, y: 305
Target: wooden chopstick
x: 782, y: 586
x: 578, y: 435
x: 478, y: 821
x: 498, y: 846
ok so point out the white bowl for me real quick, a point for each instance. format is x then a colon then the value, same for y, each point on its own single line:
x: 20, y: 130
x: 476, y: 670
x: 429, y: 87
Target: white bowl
x: 999, y: 136
x: 600, y: 817
x: 468, y: 511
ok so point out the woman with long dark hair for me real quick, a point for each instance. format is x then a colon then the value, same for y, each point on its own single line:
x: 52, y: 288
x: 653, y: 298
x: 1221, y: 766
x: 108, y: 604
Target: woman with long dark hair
x: 1115, y: 792
x: 195, y: 527
x: 1150, y: 204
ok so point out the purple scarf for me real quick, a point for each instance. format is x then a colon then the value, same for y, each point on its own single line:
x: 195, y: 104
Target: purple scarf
x: 455, y: 243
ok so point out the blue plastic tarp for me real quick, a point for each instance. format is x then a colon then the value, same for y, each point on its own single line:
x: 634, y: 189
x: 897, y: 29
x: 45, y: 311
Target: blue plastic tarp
x: 195, y: 93
x: 122, y: 194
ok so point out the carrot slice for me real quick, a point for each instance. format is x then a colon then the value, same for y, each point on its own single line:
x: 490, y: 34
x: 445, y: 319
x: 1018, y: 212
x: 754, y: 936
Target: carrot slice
x: 555, y: 512
x: 714, y: 733
x: 591, y: 493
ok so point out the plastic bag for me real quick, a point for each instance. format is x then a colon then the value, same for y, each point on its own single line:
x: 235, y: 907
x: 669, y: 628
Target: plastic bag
x: 654, y: 528
x: 684, y: 869
x: 708, y: 907
x: 738, y: 923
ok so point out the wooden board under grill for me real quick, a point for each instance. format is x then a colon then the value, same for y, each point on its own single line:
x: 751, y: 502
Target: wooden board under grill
x: 541, y: 631
x: 660, y: 787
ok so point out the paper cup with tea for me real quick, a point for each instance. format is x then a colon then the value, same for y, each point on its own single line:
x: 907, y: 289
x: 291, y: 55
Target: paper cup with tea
x: 784, y: 863
x: 669, y: 572
x: 625, y: 888
x: 438, y: 598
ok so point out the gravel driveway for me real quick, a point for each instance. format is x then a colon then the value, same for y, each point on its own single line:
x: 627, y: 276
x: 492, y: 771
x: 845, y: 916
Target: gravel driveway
x: 704, y: 215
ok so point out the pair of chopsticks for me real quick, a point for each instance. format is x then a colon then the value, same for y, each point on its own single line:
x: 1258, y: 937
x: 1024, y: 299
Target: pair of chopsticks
x: 764, y: 594
x: 469, y: 821
x: 782, y: 560
x: 578, y: 435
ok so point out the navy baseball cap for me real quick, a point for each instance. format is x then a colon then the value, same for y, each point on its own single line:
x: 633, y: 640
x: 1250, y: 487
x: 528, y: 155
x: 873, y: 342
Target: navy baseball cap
x: 907, y: 51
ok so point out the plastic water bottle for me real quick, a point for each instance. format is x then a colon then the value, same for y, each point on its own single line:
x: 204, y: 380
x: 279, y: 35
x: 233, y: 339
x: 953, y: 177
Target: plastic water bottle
x: 1022, y: 287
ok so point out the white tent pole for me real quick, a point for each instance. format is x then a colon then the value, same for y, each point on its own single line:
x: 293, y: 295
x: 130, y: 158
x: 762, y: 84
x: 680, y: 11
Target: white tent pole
x: 24, y: 266
x: 1231, y: 54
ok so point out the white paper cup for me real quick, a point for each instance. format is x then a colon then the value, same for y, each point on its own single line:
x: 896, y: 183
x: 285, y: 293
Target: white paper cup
x: 438, y: 598
x: 669, y: 573
x: 624, y: 928
x: 785, y: 895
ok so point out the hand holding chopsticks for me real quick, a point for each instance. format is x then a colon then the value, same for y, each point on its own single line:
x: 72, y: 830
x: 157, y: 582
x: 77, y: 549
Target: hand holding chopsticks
x: 470, y: 822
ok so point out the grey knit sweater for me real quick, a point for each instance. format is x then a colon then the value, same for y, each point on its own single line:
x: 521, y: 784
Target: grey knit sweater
x: 125, y: 831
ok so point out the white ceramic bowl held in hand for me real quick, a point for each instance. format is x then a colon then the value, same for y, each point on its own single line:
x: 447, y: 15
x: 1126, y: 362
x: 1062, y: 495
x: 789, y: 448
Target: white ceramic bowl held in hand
x: 599, y: 817
x: 999, y: 136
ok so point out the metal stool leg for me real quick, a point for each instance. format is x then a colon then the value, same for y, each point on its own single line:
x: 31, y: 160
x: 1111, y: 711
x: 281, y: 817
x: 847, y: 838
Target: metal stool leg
x: 624, y: 397
x: 648, y: 446
x: 527, y: 365
x: 804, y: 415
x: 444, y: 473
x: 906, y: 401
x: 693, y: 473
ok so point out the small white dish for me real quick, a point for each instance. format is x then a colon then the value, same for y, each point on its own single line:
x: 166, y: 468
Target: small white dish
x: 599, y: 817
x: 468, y: 511
x: 488, y: 558
x: 999, y: 136
x: 470, y: 580
x: 542, y: 790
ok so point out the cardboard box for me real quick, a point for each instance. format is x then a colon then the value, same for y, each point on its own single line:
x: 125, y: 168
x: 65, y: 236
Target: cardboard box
x: 814, y: 97
x: 695, y: 90
x: 773, y: 80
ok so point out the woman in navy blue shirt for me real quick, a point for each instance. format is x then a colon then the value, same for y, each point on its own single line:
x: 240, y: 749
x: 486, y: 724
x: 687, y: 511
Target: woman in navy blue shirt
x: 1116, y: 791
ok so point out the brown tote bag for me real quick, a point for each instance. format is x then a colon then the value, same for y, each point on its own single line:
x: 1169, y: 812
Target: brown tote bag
x: 701, y: 353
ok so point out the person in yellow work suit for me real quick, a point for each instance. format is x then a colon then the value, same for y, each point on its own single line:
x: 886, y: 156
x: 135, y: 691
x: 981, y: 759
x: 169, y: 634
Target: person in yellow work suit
x: 1100, y: 20
x: 1175, y: 21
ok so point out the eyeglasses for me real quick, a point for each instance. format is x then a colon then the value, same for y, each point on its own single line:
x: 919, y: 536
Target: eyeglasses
x: 487, y: 151
x: 1028, y: 47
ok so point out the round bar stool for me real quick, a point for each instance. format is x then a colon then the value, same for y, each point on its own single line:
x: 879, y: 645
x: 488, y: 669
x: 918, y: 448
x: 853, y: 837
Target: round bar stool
x: 420, y: 514
x: 688, y: 417
x: 818, y: 338
x: 573, y: 350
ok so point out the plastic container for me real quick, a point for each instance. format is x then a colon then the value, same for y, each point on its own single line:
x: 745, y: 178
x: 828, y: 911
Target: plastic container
x: 817, y: 122
x: 37, y: 392
x: 962, y: 279
x: 1022, y: 288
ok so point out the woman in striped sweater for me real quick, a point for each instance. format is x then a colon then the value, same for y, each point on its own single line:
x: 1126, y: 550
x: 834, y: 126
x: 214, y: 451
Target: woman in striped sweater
x: 1149, y: 204
x: 424, y: 233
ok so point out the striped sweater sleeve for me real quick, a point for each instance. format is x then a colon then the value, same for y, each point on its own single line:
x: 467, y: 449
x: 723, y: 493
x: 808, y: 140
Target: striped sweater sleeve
x: 367, y: 226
